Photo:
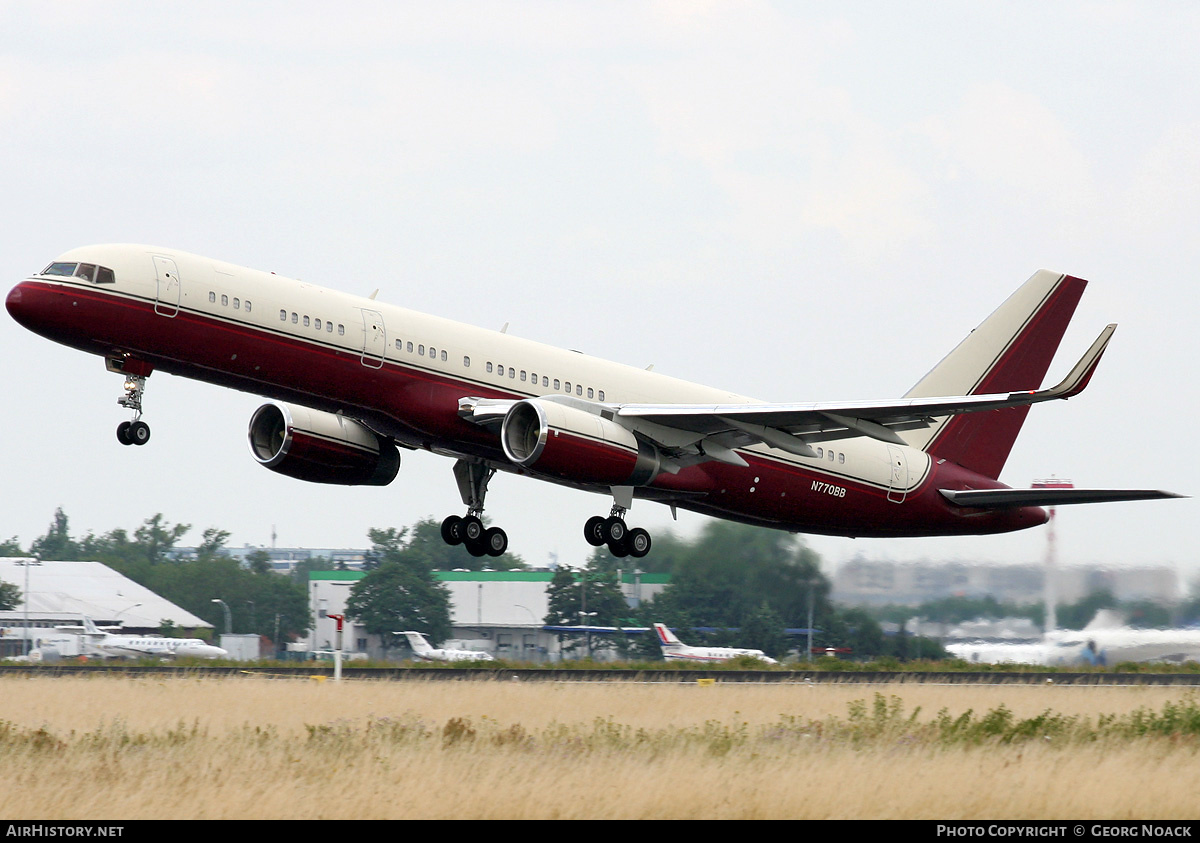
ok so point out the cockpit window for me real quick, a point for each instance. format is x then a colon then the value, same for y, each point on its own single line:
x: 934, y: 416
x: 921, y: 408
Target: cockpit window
x: 87, y: 271
x: 64, y: 269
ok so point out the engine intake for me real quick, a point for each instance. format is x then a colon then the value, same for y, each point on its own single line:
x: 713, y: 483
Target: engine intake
x: 321, y: 447
x: 576, y: 445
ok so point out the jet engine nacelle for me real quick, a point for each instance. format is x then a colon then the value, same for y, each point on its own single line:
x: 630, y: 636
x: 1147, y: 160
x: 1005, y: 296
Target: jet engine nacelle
x: 576, y: 445
x: 321, y: 447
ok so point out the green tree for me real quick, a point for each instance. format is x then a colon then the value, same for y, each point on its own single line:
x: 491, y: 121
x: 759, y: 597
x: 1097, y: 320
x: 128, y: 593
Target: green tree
x: 56, y: 545
x: 10, y: 596
x: 396, y: 597
x: 11, y: 547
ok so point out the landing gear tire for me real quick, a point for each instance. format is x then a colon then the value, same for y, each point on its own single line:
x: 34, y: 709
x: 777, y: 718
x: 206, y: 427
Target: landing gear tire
x: 495, y: 541
x: 638, y: 541
x: 593, y: 531
x: 472, y: 530
x: 133, y: 433
x: 614, y: 529
x: 475, y: 547
x: 452, y: 530
x: 619, y: 548
x: 139, y: 433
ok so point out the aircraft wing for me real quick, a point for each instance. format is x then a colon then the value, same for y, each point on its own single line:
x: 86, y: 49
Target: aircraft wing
x: 693, y: 433
x: 1013, y: 498
x: 791, y: 427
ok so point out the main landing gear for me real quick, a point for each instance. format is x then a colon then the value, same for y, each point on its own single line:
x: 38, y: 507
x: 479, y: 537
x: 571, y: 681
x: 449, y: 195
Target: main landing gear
x: 135, y: 431
x: 468, y: 530
x: 613, y: 532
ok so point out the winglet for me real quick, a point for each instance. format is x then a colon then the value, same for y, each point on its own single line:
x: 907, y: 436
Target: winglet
x: 1077, y: 379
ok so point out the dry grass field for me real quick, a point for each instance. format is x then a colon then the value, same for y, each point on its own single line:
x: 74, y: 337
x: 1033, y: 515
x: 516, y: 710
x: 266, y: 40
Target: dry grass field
x: 240, y: 748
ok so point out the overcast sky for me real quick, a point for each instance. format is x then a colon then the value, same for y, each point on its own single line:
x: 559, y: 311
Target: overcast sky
x: 795, y: 201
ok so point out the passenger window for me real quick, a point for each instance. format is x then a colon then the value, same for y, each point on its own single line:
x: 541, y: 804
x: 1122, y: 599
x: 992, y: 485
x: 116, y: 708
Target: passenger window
x: 432, y: 353
x: 341, y: 330
x: 295, y: 319
x: 841, y: 459
x: 831, y: 456
x: 820, y: 453
x: 443, y: 356
x: 316, y: 322
x: 410, y: 347
x: 305, y: 318
x: 225, y: 301
x: 489, y: 368
x: 522, y: 376
x: 212, y: 297
x: 600, y: 395
x: 237, y: 304
x: 421, y: 349
x: 512, y: 373
x: 466, y: 362
x: 399, y: 345
x: 589, y: 392
x: 556, y: 383
x: 568, y: 386
x: 546, y: 382
x: 247, y: 305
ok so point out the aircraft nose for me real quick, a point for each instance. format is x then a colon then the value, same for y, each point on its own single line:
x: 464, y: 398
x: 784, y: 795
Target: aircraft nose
x: 13, y: 302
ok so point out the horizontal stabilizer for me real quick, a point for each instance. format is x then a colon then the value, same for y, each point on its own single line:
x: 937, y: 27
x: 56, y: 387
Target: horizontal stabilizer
x: 1012, y: 498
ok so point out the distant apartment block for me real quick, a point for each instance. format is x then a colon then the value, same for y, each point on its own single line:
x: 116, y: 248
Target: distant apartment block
x: 873, y: 583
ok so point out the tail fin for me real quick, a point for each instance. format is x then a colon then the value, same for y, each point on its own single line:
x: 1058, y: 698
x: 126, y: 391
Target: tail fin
x: 89, y: 627
x: 418, y: 643
x: 666, y: 638
x: 1010, y: 351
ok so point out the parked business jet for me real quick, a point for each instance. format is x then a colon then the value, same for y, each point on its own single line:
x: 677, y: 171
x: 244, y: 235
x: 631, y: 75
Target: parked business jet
x: 423, y: 651
x: 1106, y: 640
x: 97, y: 642
x: 675, y: 650
x: 352, y: 380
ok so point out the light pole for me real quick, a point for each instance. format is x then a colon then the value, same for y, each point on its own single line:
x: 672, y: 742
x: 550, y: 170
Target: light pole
x: 228, y: 616
x: 123, y: 611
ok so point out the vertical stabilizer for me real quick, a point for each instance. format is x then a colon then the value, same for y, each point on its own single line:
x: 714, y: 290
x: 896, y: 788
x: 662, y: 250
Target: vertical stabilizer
x: 1010, y: 351
x: 666, y: 638
x: 418, y: 643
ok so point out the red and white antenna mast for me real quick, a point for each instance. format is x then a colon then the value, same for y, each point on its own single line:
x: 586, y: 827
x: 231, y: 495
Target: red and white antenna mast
x: 1049, y: 593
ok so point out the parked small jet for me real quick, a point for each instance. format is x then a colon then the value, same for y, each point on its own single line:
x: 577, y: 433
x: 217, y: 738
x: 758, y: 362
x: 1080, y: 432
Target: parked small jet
x: 423, y: 651
x: 98, y: 642
x: 675, y: 650
x: 352, y: 380
x: 1106, y: 640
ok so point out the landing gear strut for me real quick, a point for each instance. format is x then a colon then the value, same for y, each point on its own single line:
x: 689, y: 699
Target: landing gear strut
x: 468, y: 530
x: 135, y: 431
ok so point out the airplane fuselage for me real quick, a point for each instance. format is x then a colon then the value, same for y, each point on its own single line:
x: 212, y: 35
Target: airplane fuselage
x: 403, y: 374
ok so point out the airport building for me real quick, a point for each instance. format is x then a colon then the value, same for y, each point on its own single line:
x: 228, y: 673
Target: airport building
x: 62, y: 593
x: 502, y: 612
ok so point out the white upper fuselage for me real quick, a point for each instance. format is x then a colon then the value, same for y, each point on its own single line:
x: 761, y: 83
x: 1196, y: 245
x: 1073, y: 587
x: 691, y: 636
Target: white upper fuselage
x: 140, y: 646
x: 480, y: 361
x: 684, y: 653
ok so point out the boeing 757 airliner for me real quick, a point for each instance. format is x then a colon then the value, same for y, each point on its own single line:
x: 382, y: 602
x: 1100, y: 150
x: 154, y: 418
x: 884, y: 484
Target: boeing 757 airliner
x: 351, y: 381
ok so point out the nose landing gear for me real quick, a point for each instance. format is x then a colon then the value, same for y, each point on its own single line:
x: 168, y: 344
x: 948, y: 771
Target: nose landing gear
x: 135, y: 431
